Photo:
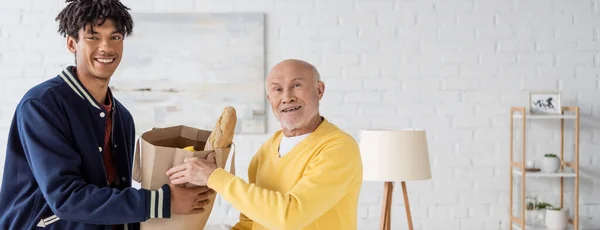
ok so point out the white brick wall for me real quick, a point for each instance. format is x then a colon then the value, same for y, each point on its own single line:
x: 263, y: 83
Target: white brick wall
x: 452, y: 67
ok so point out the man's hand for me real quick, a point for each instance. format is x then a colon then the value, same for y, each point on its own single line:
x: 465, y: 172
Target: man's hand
x: 193, y: 170
x: 185, y: 201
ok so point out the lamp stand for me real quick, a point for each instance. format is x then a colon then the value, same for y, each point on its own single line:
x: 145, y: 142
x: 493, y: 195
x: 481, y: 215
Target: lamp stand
x: 387, y: 206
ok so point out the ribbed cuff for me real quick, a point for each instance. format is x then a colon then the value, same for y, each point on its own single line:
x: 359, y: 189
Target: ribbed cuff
x: 159, y: 203
x: 219, y: 179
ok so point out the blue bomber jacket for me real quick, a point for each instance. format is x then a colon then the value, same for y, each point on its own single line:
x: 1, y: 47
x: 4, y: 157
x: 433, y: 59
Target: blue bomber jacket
x: 54, y: 176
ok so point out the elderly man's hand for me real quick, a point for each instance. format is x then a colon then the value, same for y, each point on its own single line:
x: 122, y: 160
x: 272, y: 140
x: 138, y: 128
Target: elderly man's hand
x: 194, y: 171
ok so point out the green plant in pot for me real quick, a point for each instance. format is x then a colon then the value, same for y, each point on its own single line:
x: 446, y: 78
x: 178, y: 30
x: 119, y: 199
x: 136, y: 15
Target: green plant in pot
x: 550, y: 163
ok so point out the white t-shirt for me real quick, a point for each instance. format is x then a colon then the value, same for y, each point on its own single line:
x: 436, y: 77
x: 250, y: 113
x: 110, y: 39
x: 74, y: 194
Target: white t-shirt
x: 288, y: 143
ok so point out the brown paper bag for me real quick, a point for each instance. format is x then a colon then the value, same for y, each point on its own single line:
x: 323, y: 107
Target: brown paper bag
x: 162, y: 148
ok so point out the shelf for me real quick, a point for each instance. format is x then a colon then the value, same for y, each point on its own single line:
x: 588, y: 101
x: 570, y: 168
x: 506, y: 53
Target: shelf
x: 543, y: 174
x: 538, y: 227
x: 549, y: 116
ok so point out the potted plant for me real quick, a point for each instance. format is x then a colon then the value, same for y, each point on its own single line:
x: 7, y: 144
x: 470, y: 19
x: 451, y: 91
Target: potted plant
x: 550, y: 163
x: 556, y: 218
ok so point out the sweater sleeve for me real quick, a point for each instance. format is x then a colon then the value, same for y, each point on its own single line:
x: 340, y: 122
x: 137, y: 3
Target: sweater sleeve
x: 327, y: 178
x: 246, y: 223
x: 55, y: 164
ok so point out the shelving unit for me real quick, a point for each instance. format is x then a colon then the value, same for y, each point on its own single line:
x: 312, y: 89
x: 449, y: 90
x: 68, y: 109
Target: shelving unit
x: 569, y: 170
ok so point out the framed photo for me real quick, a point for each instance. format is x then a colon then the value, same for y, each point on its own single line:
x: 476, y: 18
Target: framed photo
x: 544, y: 103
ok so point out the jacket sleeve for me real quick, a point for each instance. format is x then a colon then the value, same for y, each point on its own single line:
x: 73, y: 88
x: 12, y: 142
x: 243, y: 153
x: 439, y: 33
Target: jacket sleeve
x: 54, y: 163
x: 326, y: 180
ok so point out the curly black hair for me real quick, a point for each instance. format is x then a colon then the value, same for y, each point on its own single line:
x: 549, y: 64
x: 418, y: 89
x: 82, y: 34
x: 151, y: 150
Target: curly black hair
x: 80, y: 13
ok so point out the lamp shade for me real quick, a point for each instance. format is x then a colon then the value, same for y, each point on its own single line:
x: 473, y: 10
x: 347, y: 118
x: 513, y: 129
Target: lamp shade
x: 394, y: 155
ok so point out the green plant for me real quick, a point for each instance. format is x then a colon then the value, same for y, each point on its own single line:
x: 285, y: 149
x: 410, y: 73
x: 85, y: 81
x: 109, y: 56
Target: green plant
x: 543, y: 205
x: 550, y: 155
x: 529, y: 205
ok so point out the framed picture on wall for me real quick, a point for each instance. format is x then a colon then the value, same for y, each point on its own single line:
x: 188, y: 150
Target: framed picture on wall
x: 544, y: 103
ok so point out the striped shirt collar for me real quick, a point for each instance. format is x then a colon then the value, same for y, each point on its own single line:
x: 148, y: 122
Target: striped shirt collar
x: 70, y: 77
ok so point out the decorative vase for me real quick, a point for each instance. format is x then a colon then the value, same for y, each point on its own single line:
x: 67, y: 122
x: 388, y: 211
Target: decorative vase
x: 556, y: 219
x: 550, y: 164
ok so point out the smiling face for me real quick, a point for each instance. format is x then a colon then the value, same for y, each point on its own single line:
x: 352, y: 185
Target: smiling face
x: 97, y: 50
x: 294, y: 93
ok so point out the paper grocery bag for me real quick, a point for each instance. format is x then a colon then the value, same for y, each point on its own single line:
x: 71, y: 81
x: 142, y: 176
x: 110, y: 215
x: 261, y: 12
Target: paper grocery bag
x: 162, y: 148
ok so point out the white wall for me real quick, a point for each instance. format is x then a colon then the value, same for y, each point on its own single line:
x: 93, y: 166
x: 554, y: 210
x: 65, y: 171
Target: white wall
x: 451, y: 67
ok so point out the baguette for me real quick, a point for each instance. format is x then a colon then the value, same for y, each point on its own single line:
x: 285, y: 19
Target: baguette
x: 222, y: 134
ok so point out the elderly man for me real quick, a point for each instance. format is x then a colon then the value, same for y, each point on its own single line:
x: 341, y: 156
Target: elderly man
x: 308, y: 175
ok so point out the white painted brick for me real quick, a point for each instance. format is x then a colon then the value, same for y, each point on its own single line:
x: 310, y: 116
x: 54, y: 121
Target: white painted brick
x: 462, y: 83
x: 429, y: 122
x: 470, y: 122
x: 212, y: 5
x: 501, y: 83
x: 336, y: 84
x: 475, y: 173
x: 338, y: 33
x: 420, y: 84
x: 475, y: 19
x: 334, y: 59
x: 396, y: 19
x: 174, y: 6
x: 334, y: 6
x: 361, y: 6
x: 515, y: 45
x: 386, y: 120
x: 359, y: 46
x: 360, y: 20
x: 501, y: 59
x: 295, y: 6
x: 442, y: 70
x: 383, y: 59
x: 444, y: 18
x: 372, y: 110
x: 572, y: 58
x: 588, y: 45
x: 575, y: 33
x: 536, y: 58
x: 462, y: 58
x: 414, y: 6
x: 497, y: 32
x: 416, y: 34
x: 364, y: 97
x: 579, y: 7
x: 475, y: 198
x: 439, y: 198
x: 582, y: 84
x: 382, y: 84
x: 318, y: 19
x: 553, y: 72
x: 480, y: 46
x: 446, y: 223
x: 479, y: 98
x: 297, y: 32
x: 376, y: 33
x: 533, y: 32
x: 539, y: 83
x: 523, y: 71
x: 361, y: 71
x: 16, y: 5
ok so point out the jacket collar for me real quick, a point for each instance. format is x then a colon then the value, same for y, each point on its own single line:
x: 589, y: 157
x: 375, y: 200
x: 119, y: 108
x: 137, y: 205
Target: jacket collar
x: 70, y: 77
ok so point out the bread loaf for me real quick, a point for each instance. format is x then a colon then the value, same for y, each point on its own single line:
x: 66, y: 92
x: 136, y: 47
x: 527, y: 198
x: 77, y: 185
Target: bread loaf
x: 222, y: 134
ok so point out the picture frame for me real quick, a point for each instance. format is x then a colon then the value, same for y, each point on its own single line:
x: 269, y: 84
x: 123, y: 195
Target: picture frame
x: 545, y: 103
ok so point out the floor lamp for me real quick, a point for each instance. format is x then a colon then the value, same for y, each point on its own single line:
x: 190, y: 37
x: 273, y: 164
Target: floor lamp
x: 394, y: 155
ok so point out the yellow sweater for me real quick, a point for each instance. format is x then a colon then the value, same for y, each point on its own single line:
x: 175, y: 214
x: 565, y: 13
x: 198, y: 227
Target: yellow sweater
x: 314, y: 186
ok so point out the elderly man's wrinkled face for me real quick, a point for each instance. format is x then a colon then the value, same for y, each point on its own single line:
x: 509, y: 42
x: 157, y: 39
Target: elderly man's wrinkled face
x: 294, y: 94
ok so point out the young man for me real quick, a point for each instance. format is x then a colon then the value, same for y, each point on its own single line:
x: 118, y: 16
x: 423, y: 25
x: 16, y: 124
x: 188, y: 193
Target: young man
x: 70, y: 147
x: 308, y: 175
